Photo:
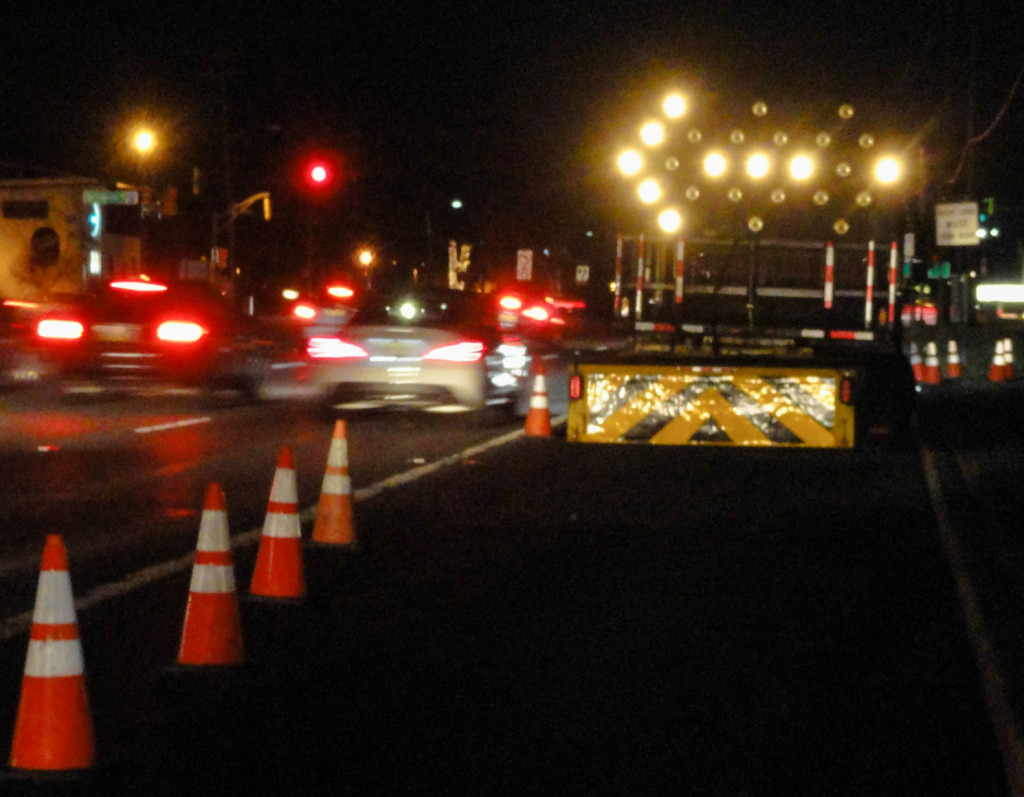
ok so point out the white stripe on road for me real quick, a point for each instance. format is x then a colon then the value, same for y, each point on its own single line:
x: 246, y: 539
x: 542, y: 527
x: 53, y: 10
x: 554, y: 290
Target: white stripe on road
x: 20, y: 623
x: 163, y: 427
x: 1001, y: 715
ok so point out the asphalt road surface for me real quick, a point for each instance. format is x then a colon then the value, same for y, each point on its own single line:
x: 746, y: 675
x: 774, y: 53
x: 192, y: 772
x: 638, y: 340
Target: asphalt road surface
x: 534, y: 616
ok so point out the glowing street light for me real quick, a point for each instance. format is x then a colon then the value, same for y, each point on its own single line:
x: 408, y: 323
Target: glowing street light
x: 144, y: 141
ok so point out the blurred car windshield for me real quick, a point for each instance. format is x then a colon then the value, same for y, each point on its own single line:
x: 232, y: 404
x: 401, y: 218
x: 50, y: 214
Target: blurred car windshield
x: 421, y: 308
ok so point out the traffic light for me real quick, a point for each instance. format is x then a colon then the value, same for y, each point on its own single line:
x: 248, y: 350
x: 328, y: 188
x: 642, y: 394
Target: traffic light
x: 318, y: 174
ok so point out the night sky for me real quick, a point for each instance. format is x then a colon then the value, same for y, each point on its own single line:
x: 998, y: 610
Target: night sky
x: 517, y: 109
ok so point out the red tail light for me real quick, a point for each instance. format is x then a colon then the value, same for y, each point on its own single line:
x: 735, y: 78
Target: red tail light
x: 467, y: 351
x: 60, y: 329
x: 305, y: 311
x: 537, y: 313
x: 341, y: 292
x: 510, y: 302
x: 140, y: 285
x: 179, y: 332
x: 334, y: 349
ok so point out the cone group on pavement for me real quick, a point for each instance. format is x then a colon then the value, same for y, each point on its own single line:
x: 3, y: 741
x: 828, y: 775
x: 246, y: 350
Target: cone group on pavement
x: 53, y: 731
x: 279, y: 571
x: 932, y: 375
x: 538, y: 419
x: 212, y: 633
x: 334, y: 524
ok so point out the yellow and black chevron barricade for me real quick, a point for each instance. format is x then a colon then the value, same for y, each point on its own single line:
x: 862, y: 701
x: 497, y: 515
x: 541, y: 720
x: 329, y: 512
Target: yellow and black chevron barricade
x: 711, y: 405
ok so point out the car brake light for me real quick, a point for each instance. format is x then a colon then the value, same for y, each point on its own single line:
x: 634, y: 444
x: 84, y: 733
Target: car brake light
x: 537, y: 313
x: 466, y: 351
x: 19, y: 303
x: 304, y: 311
x: 334, y: 349
x: 140, y: 286
x: 510, y: 302
x: 179, y: 332
x: 340, y: 292
x: 60, y: 329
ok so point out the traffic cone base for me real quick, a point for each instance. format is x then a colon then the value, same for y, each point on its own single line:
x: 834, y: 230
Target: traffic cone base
x: 53, y: 731
x: 279, y: 569
x: 334, y: 523
x: 916, y: 364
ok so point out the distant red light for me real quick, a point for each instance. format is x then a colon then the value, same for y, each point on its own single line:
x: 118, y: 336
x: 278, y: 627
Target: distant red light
x: 318, y: 174
x: 510, y: 302
x: 304, y: 311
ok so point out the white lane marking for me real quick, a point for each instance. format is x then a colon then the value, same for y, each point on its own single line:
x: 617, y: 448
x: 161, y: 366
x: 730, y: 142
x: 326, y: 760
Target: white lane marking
x: 163, y: 427
x: 20, y: 623
x: 1001, y: 715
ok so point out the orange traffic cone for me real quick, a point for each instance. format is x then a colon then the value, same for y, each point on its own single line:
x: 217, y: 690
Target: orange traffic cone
x: 915, y: 363
x: 997, y: 371
x: 538, y: 419
x: 54, y: 728
x: 333, y: 524
x: 932, y: 374
x: 954, y: 369
x: 278, y: 572
x: 212, y: 633
x: 1008, y: 369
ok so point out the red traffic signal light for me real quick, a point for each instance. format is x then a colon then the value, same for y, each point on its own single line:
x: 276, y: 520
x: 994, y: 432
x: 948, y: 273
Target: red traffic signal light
x: 319, y: 174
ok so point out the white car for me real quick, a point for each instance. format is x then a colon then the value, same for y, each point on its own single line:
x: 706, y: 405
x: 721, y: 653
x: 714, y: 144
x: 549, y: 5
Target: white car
x: 421, y: 347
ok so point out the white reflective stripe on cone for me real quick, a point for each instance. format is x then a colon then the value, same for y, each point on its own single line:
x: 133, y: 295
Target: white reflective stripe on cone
x: 336, y: 484
x: 54, y: 659
x: 212, y: 578
x: 282, y: 524
x: 283, y: 489
x: 54, y: 601
x: 213, y: 531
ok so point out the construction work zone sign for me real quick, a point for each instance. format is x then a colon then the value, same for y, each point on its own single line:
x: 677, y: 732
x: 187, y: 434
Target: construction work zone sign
x: 708, y: 405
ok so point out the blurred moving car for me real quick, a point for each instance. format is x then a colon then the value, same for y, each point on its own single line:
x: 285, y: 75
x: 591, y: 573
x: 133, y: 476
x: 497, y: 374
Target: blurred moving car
x: 422, y: 347
x: 20, y: 365
x: 534, y: 311
x: 139, y: 331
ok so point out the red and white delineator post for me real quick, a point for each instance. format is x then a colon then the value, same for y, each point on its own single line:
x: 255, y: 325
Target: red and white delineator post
x: 869, y: 288
x: 679, y: 269
x: 892, y: 284
x: 830, y: 274
x: 638, y: 311
x: 618, y: 274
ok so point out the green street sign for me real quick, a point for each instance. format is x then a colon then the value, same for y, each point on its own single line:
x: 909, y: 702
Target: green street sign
x: 93, y: 196
x: 939, y: 270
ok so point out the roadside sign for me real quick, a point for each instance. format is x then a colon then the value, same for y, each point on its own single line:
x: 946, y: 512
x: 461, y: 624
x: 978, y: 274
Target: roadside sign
x: 524, y: 264
x: 93, y: 196
x: 956, y: 224
x: 582, y: 274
